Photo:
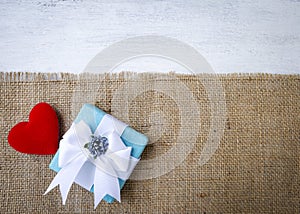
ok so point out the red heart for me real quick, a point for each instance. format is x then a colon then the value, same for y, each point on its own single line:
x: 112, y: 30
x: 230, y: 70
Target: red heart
x: 39, y: 135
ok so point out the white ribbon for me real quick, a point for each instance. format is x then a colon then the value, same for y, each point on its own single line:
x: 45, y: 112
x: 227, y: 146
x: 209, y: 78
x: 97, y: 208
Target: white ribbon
x: 78, y: 165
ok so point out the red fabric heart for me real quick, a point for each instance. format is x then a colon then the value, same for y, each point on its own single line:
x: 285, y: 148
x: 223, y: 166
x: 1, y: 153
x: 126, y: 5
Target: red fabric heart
x: 39, y: 135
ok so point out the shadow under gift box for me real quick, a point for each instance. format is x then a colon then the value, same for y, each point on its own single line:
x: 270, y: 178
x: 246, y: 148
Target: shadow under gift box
x: 92, y: 116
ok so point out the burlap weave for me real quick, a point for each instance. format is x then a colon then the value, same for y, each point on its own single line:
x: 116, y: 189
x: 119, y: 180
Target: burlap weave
x: 254, y: 170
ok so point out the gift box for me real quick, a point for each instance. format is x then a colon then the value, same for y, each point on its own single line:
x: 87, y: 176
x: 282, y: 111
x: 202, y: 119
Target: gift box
x: 92, y: 116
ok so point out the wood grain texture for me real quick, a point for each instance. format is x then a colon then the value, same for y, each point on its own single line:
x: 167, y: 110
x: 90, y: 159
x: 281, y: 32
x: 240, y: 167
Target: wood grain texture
x: 234, y: 36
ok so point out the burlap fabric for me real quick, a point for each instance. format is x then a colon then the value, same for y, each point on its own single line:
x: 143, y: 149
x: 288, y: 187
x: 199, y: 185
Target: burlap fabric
x: 254, y: 170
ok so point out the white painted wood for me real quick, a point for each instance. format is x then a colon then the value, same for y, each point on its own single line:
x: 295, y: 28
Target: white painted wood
x: 234, y: 36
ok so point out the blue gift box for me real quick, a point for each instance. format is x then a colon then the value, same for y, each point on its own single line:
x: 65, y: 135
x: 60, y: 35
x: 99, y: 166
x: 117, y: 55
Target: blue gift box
x: 92, y: 116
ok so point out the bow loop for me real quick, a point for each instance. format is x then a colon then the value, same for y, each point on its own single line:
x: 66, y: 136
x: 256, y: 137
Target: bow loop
x: 69, y: 148
x: 121, y: 159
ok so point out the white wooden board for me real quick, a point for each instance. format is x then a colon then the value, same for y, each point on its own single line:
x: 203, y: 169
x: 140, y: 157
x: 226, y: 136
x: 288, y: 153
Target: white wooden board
x: 234, y: 36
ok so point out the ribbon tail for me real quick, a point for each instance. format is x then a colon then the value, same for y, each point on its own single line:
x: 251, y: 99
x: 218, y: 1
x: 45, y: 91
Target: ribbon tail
x: 105, y: 184
x: 85, y: 177
x: 66, y: 176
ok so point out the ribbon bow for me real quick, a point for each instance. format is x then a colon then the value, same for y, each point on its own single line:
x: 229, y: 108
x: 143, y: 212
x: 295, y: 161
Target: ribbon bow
x: 102, y: 169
